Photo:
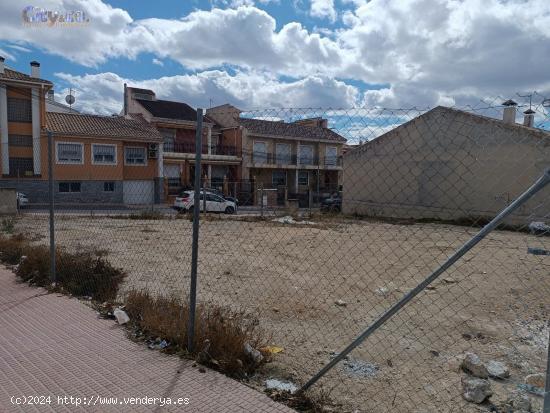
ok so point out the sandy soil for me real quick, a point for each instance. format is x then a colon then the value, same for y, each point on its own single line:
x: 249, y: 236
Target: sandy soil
x: 494, y: 301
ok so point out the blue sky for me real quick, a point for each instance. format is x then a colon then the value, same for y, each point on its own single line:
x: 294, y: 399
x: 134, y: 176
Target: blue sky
x: 289, y: 53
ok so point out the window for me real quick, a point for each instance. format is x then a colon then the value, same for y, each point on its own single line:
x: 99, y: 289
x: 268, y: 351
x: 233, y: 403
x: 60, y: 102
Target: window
x: 260, y: 152
x: 282, y: 153
x: 331, y: 155
x: 68, y: 152
x: 135, y: 156
x: 278, y: 178
x: 67, y: 187
x: 104, y: 154
x: 214, y: 198
x: 109, y: 186
x: 303, y: 178
x: 19, y: 110
x: 21, y: 167
x: 20, y: 140
x: 306, y: 154
x: 169, y: 136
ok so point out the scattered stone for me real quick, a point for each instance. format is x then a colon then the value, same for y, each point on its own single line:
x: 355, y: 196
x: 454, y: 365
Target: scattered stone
x: 121, y: 316
x: 254, y: 354
x: 539, y: 228
x: 430, y: 287
x: 449, y: 280
x: 472, y: 364
x: 518, y: 402
x: 535, y: 383
x: 497, y: 369
x: 275, y: 310
x: 274, y: 384
x: 475, y: 390
x: 340, y: 303
x: 434, y: 353
x: 202, y: 370
x: 383, y: 291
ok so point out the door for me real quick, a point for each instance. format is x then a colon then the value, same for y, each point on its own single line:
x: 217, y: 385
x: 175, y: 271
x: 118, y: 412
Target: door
x: 214, y: 203
x: 138, y: 192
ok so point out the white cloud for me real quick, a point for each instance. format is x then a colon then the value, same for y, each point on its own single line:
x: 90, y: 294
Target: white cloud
x: 323, y: 9
x: 157, y: 62
x: 427, y: 51
x: 102, y: 93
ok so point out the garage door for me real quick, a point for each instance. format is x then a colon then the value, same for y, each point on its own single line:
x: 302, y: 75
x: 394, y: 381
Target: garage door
x: 138, y: 192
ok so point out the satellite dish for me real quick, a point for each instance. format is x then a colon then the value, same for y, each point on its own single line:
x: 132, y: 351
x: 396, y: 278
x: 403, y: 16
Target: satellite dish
x: 69, y: 99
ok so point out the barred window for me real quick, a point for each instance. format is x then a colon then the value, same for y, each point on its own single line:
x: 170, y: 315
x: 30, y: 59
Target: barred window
x: 21, y: 167
x: 69, y: 186
x: 19, y: 110
x: 104, y: 154
x: 109, y: 186
x: 135, y: 156
x: 303, y: 178
x: 169, y: 136
x: 20, y: 140
x: 70, y: 153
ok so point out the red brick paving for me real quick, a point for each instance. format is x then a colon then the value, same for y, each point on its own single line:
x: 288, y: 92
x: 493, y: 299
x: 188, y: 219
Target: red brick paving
x: 54, y: 345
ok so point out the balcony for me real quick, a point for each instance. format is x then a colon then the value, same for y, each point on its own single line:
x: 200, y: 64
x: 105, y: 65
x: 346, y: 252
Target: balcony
x: 293, y: 161
x: 190, y: 148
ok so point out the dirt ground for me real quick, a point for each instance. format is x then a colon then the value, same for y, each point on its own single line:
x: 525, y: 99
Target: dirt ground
x: 495, y: 301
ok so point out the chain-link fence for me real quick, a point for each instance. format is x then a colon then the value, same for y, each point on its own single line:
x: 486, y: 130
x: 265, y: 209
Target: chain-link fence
x: 321, y: 221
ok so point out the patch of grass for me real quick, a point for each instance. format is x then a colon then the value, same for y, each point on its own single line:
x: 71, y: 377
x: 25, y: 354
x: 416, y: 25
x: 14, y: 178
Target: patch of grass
x: 8, y: 225
x: 84, y: 273
x: 12, y: 248
x: 146, y: 215
x: 220, y: 334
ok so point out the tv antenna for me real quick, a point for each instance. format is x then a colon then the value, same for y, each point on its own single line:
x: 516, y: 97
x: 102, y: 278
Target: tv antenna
x: 70, y: 99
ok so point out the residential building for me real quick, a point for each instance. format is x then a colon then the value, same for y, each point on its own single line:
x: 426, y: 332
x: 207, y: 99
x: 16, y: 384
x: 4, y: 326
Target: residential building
x: 107, y: 159
x: 177, y: 123
x: 296, y: 158
x: 449, y: 164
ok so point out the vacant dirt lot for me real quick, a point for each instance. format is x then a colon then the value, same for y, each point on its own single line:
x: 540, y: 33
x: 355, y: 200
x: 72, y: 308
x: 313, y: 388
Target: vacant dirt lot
x: 494, y: 301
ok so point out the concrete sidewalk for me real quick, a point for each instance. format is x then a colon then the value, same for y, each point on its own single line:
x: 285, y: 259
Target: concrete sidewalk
x: 55, y: 346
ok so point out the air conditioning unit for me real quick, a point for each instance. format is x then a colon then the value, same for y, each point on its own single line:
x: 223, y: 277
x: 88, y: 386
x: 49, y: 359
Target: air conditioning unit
x: 153, y: 151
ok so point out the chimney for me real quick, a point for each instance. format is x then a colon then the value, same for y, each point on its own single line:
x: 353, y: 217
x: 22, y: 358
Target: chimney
x: 51, y: 95
x: 35, y: 69
x: 509, y: 112
x: 2, y: 64
x: 125, y: 108
x: 529, y: 118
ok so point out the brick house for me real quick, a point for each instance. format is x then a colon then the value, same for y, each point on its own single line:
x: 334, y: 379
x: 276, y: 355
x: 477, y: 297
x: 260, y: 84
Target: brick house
x: 177, y: 123
x: 294, y: 158
x: 107, y: 159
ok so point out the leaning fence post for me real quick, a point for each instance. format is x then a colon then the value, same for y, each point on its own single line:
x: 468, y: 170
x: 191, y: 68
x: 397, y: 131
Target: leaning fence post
x: 51, y: 208
x: 195, y: 242
x: 546, y: 408
x: 495, y: 222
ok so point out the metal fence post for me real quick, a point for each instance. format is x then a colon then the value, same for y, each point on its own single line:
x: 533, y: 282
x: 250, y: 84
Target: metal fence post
x: 546, y: 408
x: 53, y: 272
x: 195, y: 243
x: 495, y: 222
x: 262, y: 201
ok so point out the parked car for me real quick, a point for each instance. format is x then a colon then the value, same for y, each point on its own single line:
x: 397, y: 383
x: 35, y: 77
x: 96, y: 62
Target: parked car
x: 332, y: 204
x: 22, y: 200
x: 214, y: 203
x: 220, y: 193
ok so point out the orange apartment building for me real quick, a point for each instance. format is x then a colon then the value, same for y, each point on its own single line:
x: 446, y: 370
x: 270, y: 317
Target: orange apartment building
x: 97, y: 159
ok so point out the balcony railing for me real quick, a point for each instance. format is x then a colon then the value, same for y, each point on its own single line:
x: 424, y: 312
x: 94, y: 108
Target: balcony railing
x: 186, y: 147
x: 293, y: 160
